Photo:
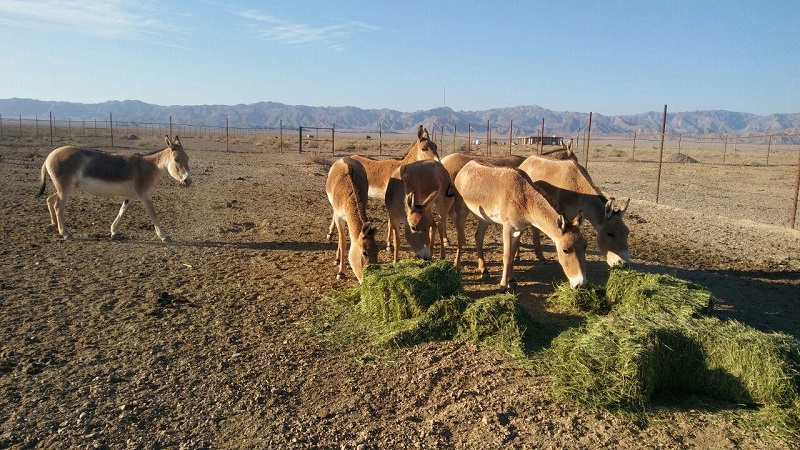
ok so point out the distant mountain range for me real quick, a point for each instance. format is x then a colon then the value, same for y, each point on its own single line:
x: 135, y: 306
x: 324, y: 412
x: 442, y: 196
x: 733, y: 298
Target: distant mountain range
x: 526, y: 119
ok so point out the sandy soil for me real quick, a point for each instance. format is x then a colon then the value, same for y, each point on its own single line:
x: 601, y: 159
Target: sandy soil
x: 205, y: 343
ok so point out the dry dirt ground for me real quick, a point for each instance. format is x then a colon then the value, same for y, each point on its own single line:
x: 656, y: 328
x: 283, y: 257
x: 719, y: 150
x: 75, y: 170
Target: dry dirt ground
x: 207, y: 342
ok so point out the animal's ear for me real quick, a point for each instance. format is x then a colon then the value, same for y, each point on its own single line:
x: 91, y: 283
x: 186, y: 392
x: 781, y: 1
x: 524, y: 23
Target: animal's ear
x: 609, y: 209
x: 169, y: 143
x: 177, y: 141
x: 369, y: 229
x: 578, y: 220
x: 420, y: 130
x: 451, y: 190
x: 425, y: 134
x: 410, y: 200
x: 429, y: 199
x: 569, y: 145
x: 624, y: 206
x: 562, y: 223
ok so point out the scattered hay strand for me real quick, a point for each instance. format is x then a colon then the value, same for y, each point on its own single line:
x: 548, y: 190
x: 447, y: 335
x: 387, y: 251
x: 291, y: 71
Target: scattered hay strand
x: 405, y: 289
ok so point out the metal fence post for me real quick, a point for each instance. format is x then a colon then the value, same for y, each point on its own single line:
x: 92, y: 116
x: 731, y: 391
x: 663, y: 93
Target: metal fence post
x: 661, y: 153
x: 793, y: 220
x: 588, y: 139
x: 633, y: 152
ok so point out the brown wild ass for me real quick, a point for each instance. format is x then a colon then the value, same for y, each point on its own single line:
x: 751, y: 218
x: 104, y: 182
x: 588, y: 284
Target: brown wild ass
x: 506, y: 196
x: 346, y: 188
x: 105, y: 174
x: 379, y: 171
x: 455, y: 161
x: 427, y: 183
x: 421, y: 240
x: 571, y: 187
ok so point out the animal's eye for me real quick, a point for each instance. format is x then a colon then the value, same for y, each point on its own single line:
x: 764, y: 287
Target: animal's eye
x: 364, y: 254
x: 567, y: 250
x: 610, y: 234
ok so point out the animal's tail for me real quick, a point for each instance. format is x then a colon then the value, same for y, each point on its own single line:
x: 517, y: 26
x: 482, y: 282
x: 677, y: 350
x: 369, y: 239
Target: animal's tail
x: 43, y: 178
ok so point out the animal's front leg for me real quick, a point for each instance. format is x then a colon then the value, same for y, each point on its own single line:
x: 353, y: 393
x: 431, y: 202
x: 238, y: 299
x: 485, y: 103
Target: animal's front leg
x: 115, y: 223
x: 148, y: 206
x: 480, y: 233
x: 510, y: 245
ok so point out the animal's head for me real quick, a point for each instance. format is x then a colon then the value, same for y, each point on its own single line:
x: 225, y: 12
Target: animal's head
x: 571, y: 249
x: 612, y: 234
x: 418, y: 211
x: 178, y: 164
x: 420, y: 240
x: 424, y: 148
x: 364, y: 250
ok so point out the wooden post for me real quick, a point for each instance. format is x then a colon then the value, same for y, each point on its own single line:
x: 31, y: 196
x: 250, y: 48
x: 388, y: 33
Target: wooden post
x: 510, y: 136
x: 301, y: 141
x: 51, y: 129
x: 227, y: 136
x: 111, y: 126
x: 588, y: 139
x: 333, y: 139
x: 1, y: 125
x: 488, y: 146
x: 541, y: 138
x: 280, y: 124
x: 455, y: 132
x: 380, y: 139
x: 170, y: 127
x: 793, y: 220
x: 633, y: 152
x: 680, y: 136
x: 769, y: 145
x: 724, y: 150
x: 469, y: 137
x: 661, y: 153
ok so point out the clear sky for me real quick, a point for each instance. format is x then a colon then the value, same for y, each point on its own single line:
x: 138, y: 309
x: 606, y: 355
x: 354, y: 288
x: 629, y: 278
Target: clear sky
x: 612, y: 57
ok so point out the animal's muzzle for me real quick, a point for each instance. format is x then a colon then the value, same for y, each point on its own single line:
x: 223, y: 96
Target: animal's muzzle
x: 187, y: 181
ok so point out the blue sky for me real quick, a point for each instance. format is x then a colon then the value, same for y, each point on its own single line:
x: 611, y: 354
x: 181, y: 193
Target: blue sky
x: 611, y: 57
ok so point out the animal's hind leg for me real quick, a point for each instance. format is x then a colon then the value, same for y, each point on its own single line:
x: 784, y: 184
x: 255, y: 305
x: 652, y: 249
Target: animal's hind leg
x: 115, y: 223
x: 480, y: 233
x: 59, y: 202
x: 329, y: 236
x: 51, y: 207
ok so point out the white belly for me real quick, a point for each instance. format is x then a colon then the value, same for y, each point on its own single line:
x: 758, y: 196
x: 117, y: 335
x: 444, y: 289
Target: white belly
x: 101, y: 187
x: 491, y: 215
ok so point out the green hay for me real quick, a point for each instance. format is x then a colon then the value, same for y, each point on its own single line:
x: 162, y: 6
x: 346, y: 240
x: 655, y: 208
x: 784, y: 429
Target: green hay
x: 658, y: 338
x: 646, y: 293
x: 438, y: 323
x: 407, y: 288
x: 582, y: 300
x: 497, y: 321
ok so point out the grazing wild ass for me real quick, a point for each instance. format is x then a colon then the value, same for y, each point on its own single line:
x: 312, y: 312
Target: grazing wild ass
x: 346, y: 188
x: 102, y: 173
x: 427, y: 183
x: 379, y: 171
x: 421, y: 241
x: 506, y: 196
x: 572, y: 189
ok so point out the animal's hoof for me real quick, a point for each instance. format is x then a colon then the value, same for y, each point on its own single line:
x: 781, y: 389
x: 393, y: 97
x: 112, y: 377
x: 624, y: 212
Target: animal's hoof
x: 336, y: 263
x: 340, y: 276
x: 67, y: 237
x: 485, y: 275
x: 389, y: 248
x: 166, y: 239
x: 117, y: 236
x: 50, y: 228
x: 446, y: 242
x: 329, y: 237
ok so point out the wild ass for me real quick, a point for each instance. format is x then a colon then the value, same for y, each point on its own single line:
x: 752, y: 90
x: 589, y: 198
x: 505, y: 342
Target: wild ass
x: 427, y: 183
x: 101, y: 173
x: 506, y: 196
x: 380, y: 171
x: 346, y: 188
x: 572, y: 189
x: 421, y: 240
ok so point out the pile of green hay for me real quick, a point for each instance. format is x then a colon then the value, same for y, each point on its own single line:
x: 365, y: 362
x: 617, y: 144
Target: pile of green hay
x: 407, y: 288
x: 412, y: 301
x: 639, y: 292
x: 657, y: 336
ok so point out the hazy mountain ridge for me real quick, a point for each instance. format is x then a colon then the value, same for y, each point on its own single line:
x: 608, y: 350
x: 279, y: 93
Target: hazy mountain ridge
x: 526, y: 119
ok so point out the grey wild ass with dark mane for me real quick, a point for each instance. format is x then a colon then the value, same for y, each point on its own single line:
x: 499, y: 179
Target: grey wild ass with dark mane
x: 506, y: 196
x: 101, y: 173
x: 346, y: 188
x: 572, y: 189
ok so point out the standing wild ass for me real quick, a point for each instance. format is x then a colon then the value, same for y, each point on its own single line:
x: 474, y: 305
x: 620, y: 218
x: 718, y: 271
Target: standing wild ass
x: 420, y: 240
x: 506, y: 196
x: 346, y: 188
x: 572, y: 189
x: 379, y: 171
x: 102, y: 173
